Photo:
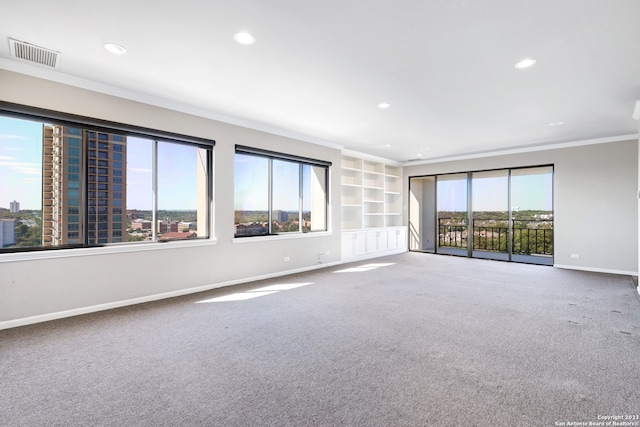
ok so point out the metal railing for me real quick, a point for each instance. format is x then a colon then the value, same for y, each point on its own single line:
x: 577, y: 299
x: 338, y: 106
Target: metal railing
x: 529, y: 236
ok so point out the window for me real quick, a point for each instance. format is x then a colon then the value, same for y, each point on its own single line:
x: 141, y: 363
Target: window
x: 181, y: 193
x: 278, y: 193
x: 286, y: 197
x: 251, y: 195
x: 73, y: 195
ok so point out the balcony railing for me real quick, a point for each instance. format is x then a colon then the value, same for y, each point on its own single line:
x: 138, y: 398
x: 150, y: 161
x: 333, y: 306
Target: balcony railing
x: 530, y: 237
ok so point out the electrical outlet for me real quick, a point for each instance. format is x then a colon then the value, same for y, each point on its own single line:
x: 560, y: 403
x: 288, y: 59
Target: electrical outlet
x: 286, y: 259
x: 575, y: 256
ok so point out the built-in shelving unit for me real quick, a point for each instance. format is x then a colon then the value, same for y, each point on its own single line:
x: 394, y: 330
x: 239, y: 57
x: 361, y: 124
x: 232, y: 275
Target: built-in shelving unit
x: 371, y: 194
x: 371, y: 207
x: 351, y: 181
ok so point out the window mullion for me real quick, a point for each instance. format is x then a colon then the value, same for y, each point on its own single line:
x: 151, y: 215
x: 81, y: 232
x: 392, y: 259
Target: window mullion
x: 300, y: 196
x: 270, y: 192
x: 154, y: 191
x: 84, y: 202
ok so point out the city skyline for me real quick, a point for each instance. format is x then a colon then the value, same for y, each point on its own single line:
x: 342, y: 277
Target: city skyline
x: 21, y: 178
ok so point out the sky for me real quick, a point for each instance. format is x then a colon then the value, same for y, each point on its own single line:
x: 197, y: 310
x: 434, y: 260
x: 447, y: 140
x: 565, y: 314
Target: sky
x: 21, y: 178
x: 251, y: 184
x: 177, y: 175
x: 21, y: 169
x: 20, y: 163
x: 531, y: 189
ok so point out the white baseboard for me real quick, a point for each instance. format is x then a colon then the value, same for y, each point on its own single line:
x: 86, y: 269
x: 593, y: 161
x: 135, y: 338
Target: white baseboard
x: 149, y: 298
x: 597, y: 270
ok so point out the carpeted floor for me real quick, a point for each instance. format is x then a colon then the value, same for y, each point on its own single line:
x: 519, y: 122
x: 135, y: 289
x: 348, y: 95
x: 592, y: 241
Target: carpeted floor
x: 409, y: 340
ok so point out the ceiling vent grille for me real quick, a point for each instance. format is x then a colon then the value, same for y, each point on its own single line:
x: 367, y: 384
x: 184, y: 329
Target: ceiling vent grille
x: 32, y: 53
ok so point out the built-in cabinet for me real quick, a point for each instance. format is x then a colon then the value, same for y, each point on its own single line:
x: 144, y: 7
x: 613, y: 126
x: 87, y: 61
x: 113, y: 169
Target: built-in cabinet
x: 371, y: 243
x: 371, y: 208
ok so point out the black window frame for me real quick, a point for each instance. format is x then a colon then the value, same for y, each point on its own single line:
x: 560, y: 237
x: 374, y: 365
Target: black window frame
x: 91, y: 124
x: 273, y: 155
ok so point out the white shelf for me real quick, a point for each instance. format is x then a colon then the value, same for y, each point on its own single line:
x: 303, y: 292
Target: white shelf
x: 371, y: 194
x: 375, y: 167
x: 352, y: 163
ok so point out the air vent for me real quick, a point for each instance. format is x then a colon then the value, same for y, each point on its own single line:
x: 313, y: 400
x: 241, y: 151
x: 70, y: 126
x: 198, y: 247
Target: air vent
x: 33, y: 53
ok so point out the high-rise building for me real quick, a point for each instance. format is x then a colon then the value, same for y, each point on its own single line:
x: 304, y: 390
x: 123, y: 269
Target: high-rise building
x: 14, y: 207
x: 69, y: 154
x: 7, y: 232
x: 280, y: 216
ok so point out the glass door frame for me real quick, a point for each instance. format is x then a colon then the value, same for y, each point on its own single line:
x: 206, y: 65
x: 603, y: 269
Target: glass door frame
x: 469, y: 221
x: 466, y: 218
x: 476, y: 251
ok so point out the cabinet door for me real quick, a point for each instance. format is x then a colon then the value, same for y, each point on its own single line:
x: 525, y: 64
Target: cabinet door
x: 393, y: 241
x: 359, y: 243
x: 353, y: 244
x: 376, y: 240
x: 382, y: 238
x: 372, y: 241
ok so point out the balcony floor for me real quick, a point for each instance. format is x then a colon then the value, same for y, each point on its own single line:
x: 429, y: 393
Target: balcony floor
x: 500, y: 256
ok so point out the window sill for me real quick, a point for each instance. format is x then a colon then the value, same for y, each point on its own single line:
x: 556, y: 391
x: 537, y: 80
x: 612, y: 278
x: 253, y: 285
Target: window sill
x: 114, y: 249
x: 283, y: 236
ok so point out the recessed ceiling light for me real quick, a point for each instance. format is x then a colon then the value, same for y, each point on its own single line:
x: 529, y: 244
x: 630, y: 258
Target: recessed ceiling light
x: 388, y: 145
x: 525, y: 63
x: 115, y: 48
x: 383, y: 105
x: 244, y: 38
x: 556, y: 124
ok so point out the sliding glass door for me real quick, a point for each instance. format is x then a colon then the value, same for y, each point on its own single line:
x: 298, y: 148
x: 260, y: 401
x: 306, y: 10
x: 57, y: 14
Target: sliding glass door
x: 490, y: 217
x: 532, y: 212
x: 504, y: 214
x: 452, y: 214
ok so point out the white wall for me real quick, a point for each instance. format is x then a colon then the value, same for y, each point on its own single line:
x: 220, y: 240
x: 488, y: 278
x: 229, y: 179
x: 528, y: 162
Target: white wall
x: 595, y: 200
x: 69, y: 281
x: 596, y: 215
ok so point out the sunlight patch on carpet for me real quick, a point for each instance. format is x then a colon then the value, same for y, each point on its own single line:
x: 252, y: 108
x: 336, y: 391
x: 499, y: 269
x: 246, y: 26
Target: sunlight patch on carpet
x: 365, y: 267
x: 254, y: 293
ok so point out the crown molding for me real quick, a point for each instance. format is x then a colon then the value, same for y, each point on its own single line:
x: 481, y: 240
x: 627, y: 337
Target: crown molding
x: 527, y: 149
x: 130, y: 95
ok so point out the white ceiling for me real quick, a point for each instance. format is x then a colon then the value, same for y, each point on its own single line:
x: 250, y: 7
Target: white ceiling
x: 318, y: 69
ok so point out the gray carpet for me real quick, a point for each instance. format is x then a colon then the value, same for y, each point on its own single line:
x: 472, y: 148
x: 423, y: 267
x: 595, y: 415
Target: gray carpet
x: 425, y: 341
